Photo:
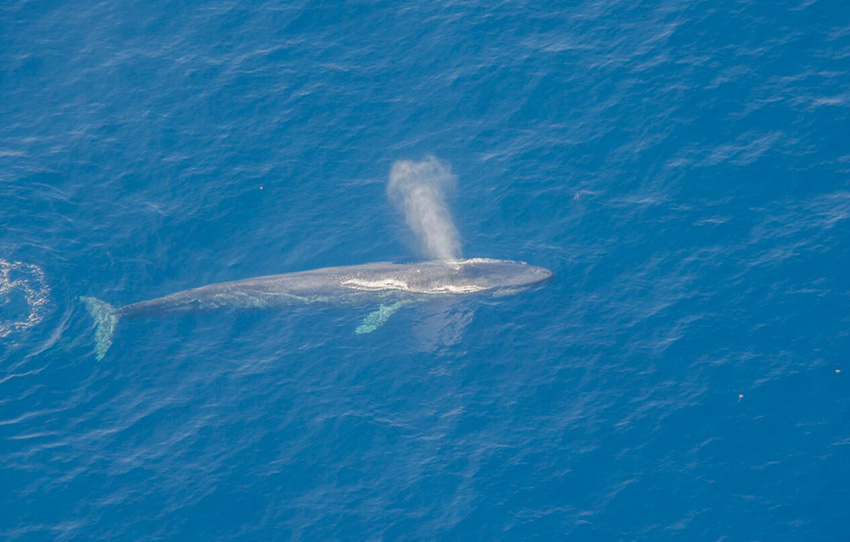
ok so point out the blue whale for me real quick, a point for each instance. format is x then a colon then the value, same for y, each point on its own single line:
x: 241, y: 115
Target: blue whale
x: 387, y: 285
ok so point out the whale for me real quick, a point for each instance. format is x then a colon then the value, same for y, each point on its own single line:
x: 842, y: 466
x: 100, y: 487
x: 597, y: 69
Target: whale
x: 385, y: 287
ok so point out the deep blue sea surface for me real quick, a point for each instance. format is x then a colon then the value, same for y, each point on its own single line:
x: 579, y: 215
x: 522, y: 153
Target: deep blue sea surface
x: 683, y: 167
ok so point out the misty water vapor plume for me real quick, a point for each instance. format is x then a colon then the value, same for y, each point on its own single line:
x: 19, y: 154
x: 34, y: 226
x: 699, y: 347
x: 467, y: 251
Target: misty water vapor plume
x: 419, y: 189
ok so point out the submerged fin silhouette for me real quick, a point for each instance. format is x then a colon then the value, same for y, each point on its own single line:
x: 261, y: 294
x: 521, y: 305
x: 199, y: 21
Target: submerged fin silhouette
x: 105, y: 319
x: 376, y: 319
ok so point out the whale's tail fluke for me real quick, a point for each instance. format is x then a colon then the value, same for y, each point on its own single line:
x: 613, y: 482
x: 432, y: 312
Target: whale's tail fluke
x: 105, y: 318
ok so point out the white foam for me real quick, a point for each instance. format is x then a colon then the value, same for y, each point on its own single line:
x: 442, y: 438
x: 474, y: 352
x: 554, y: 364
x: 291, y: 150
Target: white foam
x: 381, y: 284
x: 452, y: 289
x: 27, y: 281
x: 483, y: 260
x: 396, y: 284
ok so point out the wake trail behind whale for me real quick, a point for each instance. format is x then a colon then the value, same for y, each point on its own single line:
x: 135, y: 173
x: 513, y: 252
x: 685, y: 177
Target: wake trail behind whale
x: 419, y: 189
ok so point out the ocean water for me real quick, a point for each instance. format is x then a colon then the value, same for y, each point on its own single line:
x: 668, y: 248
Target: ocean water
x: 683, y: 167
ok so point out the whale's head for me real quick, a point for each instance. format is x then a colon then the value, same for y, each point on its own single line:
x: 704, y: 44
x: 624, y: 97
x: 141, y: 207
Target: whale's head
x: 497, y: 276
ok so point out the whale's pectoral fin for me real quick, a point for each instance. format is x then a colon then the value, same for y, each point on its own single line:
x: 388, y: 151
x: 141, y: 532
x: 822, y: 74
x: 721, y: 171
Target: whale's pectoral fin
x: 376, y: 319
